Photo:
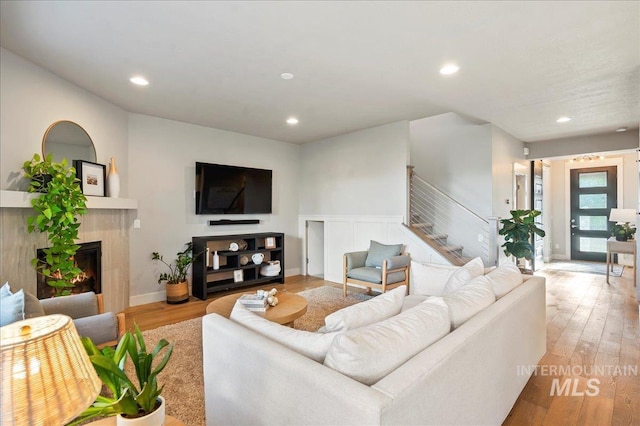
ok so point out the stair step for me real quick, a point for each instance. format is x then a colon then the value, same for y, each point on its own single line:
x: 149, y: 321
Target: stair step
x: 437, y: 238
x: 451, y: 249
x: 422, y: 226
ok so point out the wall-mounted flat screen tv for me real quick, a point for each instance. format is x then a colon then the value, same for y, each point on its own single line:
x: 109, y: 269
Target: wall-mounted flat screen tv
x: 224, y: 189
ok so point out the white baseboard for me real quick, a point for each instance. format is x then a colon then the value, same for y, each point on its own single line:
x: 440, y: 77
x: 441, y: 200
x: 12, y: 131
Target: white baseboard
x: 142, y: 299
x: 291, y: 272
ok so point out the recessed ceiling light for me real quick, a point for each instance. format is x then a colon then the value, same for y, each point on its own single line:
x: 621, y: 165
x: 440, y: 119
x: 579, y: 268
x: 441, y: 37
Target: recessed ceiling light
x: 140, y: 81
x: 286, y: 76
x: 621, y: 129
x: 563, y: 119
x: 449, y: 69
x: 292, y: 120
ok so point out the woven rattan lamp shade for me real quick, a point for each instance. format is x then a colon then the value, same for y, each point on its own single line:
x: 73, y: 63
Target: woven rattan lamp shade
x: 47, y: 377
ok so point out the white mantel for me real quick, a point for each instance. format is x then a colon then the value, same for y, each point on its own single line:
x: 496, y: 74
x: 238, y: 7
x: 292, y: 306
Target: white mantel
x: 21, y: 199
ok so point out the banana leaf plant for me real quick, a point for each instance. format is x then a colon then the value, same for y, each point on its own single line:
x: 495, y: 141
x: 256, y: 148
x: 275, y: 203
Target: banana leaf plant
x: 124, y: 397
x: 517, y: 232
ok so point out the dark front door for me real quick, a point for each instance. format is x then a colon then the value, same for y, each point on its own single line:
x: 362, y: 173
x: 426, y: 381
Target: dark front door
x: 593, y: 194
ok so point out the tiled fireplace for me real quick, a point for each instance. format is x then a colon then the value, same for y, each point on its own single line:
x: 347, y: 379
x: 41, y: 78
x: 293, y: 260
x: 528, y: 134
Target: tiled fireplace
x: 89, y: 260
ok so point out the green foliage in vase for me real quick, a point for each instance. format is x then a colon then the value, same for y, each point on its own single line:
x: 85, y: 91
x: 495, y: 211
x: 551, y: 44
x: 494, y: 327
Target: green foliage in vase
x: 623, y: 231
x: 517, y: 232
x: 124, y: 396
x: 56, y: 213
x: 178, y: 268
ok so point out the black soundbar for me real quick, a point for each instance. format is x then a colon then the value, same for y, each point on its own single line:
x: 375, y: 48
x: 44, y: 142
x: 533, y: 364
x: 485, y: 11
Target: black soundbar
x: 233, y: 222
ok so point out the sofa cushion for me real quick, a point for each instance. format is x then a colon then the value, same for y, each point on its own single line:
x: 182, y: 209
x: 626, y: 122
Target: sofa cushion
x: 505, y: 278
x: 367, y: 354
x: 470, y: 270
x: 469, y: 300
x: 311, y: 345
x: 379, y: 252
x: 430, y: 278
x: 369, y: 312
x: 413, y: 300
x: 32, y: 306
x: 11, y: 305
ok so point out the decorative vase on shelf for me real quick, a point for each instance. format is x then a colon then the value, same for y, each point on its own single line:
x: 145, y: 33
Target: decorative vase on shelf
x: 216, y: 260
x: 113, y: 180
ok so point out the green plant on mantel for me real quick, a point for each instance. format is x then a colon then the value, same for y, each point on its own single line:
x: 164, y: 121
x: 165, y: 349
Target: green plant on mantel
x: 57, y: 211
x: 517, y: 232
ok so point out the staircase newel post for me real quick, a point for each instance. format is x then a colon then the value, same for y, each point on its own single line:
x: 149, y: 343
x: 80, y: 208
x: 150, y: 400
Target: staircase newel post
x: 494, y: 249
x: 407, y: 219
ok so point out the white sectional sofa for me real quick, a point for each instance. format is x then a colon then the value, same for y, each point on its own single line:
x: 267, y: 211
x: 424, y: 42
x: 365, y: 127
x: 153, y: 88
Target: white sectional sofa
x: 472, y: 375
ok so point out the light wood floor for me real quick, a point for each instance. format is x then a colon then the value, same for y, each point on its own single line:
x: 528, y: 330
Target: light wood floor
x: 589, y: 323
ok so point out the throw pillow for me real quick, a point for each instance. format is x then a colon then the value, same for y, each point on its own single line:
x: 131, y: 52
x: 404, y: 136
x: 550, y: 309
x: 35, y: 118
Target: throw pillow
x: 469, y: 300
x: 368, y: 354
x: 430, y: 278
x: 5, y: 290
x: 379, y: 252
x: 11, y: 306
x: 371, y: 311
x: 311, y: 345
x: 505, y: 278
x: 470, y: 270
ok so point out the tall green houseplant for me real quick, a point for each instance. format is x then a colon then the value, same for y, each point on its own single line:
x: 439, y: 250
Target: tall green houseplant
x: 517, y: 232
x: 56, y: 213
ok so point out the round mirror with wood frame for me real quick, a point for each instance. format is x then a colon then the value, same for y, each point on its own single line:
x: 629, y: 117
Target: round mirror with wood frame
x: 66, y: 139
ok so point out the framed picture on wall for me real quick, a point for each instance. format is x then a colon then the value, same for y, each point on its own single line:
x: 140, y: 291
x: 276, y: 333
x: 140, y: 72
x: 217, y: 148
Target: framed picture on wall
x: 270, y: 242
x: 92, y: 177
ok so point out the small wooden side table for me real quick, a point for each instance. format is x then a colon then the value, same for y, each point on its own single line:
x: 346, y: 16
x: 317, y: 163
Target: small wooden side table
x: 111, y: 421
x: 290, y: 307
x: 625, y: 247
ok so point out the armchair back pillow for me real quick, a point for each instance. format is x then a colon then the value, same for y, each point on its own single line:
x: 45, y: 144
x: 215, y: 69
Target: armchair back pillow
x: 379, y: 252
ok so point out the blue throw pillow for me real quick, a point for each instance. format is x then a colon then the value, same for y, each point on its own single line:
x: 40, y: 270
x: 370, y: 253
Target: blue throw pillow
x: 11, y: 306
x: 379, y: 252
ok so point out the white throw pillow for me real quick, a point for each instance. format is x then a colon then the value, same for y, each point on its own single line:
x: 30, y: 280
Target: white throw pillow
x: 505, y: 278
x: 311, y: 345
x: 371, y: 311
x: 470, y: 270
x: 470, y: 299
x: 367, y: 354
x: 413, y: 300
x: 430, y: 278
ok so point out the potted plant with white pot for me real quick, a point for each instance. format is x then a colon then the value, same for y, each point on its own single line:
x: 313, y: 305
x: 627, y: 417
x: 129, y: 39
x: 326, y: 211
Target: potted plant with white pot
x: 134, y: 405
x: 177, y: 285
x: 518, y: 231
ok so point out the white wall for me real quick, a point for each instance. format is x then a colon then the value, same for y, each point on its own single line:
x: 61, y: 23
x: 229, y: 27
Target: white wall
x: 162, y: 156
x: 606, y: 142
x: 32, y: 99
x: 360, y: 173
x: 506, y: 151
x: 454, y: 154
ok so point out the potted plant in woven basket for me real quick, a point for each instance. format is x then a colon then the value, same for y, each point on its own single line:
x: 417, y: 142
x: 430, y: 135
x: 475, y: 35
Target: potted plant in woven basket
x: 177, y: 285
x: 135, y: 400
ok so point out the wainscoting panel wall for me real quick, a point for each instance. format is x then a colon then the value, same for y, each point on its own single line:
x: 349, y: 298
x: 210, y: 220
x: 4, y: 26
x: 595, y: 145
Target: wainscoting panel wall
x: 17, y: 248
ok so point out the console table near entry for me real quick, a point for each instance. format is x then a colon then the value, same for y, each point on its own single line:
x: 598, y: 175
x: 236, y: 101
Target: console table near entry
x: 624, y: 247
x: 111, y: 421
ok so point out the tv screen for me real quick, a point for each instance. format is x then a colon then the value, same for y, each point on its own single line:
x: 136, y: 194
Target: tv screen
x: 232, y: 190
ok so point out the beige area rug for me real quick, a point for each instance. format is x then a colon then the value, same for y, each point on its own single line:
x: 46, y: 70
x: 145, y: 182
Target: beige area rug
x: 182, y: 378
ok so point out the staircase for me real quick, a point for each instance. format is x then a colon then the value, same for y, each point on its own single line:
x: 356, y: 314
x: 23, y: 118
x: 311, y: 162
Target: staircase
x: 450, y: 228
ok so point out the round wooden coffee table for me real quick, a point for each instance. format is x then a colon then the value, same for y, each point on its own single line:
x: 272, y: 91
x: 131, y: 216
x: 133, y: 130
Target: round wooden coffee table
x: 290, y: 307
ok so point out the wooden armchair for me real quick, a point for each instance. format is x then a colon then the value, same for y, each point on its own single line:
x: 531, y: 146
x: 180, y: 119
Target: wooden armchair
x: 361, y: 268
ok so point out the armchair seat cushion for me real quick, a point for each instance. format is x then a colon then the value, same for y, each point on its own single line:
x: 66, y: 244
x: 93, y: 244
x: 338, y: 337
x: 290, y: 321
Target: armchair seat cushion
x: 100, y: 328
x: 374, y: 275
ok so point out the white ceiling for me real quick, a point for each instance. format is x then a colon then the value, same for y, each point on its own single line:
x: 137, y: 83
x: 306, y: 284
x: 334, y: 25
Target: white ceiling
x: 356, y: 64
